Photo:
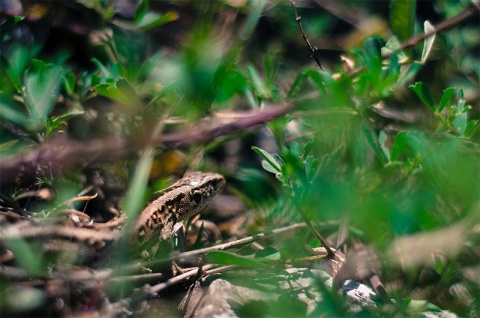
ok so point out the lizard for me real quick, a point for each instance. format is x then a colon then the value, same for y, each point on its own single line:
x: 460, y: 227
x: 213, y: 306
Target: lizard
x: 183, y: 199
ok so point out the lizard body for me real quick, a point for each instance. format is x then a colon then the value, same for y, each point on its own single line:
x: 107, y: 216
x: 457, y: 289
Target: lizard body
x: 185, y: 198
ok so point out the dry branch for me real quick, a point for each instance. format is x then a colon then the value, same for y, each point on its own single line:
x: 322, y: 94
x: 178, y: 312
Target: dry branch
x: 60, y: 154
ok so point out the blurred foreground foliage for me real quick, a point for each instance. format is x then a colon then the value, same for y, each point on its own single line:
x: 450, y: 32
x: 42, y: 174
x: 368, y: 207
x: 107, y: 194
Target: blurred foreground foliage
x: 393, y: 148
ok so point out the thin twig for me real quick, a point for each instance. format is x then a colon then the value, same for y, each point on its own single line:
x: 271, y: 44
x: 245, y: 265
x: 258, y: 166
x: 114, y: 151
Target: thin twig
x: 177, y: 279
x: 246, y: 240
x: 313, y: 49
x: 319, y: 237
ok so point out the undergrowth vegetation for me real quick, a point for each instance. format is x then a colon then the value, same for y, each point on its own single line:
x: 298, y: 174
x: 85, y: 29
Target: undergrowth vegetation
x: 377, y: 146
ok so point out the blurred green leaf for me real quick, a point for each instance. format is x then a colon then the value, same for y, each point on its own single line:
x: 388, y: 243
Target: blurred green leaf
x: 471, y: 127
x: 11, y: 73
x: 227, y: 258
x: 26, y: 256
x: 268, y: 253
x: 394, y: 46
x: 11, y: 112
x: 382, y: 139
x: 375, y: 144
x: 402, y: 18
x: 56, y: 123
x: 69, y: 83
x: 9, y: 22
x: 137, y: 187
x: 147, y: 67
x: 258, y: 85
x: 8, y: 144
x: 149, y: 20
x: 257, y: 7
x: 112, y: 73
x: 460, y: 120
x: 399, y: 145
x: 122, y: 92
x: 42, y: 86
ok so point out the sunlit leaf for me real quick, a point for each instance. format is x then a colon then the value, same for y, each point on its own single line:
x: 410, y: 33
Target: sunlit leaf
x: 269, y: 159
x: 8, y: 144
x: 382, y: 139
x: 394, y: 46
x: 151, y: 19
x: 460, y: 121
x: 428, y: 44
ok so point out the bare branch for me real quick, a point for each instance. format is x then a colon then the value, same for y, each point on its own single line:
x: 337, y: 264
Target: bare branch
x: 63, y: 153
x: 313, y: 49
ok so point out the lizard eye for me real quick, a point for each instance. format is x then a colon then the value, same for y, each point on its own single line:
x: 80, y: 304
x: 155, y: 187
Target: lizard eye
x: 197, y: 197
x: 214, y: 184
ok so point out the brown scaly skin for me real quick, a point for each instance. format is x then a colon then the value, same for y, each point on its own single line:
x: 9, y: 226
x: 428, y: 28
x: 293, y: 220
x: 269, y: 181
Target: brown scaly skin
x: 185, y: 198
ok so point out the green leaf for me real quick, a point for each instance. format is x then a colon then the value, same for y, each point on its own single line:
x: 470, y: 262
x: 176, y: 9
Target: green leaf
x: 151, y: 19
x: 471, y: 127
x: 402, y: 18
x: 42, y: 85
x: 227, y: 258
x: 271, y: 163
x: 394, y: 46
x: 373, y: 51
x: 382, y: 139
x: 375, y: 144
x: 268, y: 253
x: 399, y: 145
x: 136, y: 190
x: 428, y: 44
x: 69, y: 83
x: 122, y: 92
x: 11, y: 73
x: 253, y: 18
x: 60, y: 121
x: 113, y: 73
x: 307, y: 148
x: 147, y: 67
x: 447, y: 94
x: 460, y: 121
x: 26, y: 255
x: 257, y: 83
x: 10, y: 21
x: 11, y: 112
x: 423, y: 92
x: 21, y: 57
x: 310, y: 165
x: 8, y: 144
